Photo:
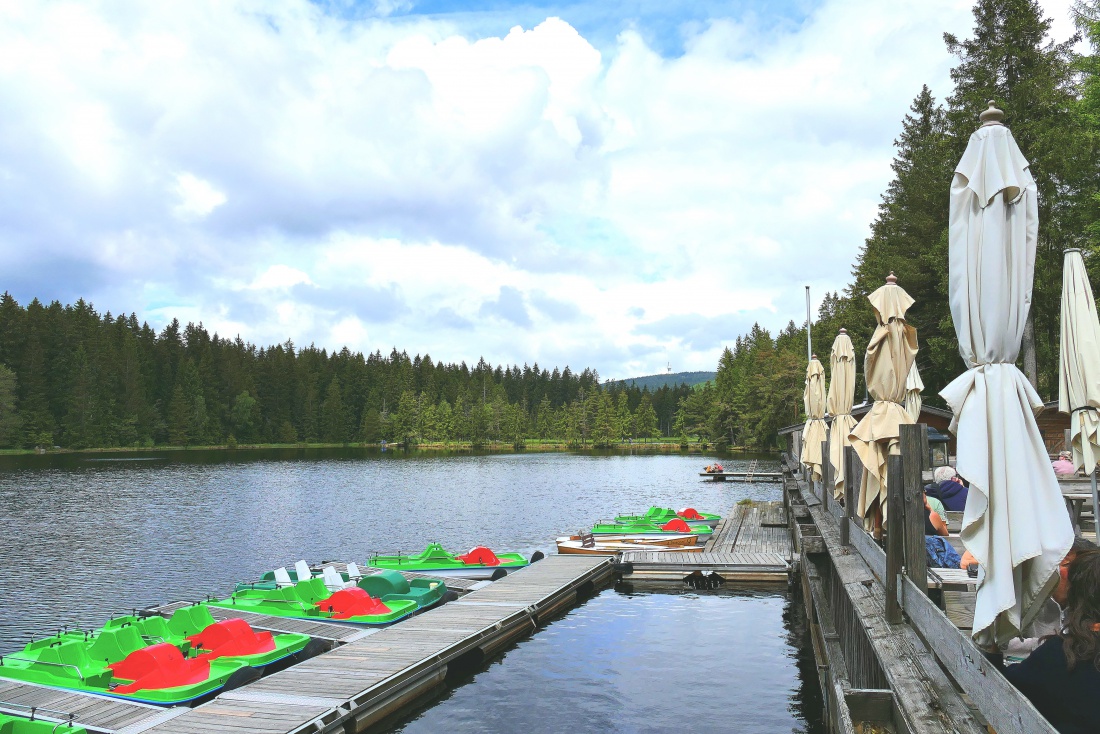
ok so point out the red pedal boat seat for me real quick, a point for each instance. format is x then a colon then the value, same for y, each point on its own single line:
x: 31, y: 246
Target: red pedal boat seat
x: 158, y: 666
x: 677, y: 525
x: 689, y: 513
x: 353, y: 602
x: 231, y: 637
x: 480, y: 556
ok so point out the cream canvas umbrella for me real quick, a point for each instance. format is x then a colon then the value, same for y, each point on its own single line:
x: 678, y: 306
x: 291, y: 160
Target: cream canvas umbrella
x: 1079, y: 376
x: 1015, y: 523
x: 842, y: 387
x: 813, y: 434
x: 914, y: 385
x: 890, y: 355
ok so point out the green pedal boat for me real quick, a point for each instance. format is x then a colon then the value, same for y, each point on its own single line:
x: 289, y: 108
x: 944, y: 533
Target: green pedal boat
x: 312, y: 599
x: 479, y: 564
x: 643, y: 529
x: 20, y: 725
x: 199, y: 635
x: 120, y: 663
x: 662, y: 515
x: 389, y: 586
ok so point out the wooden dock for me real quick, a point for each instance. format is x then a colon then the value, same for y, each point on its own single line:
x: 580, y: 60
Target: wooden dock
x: 889, y: 656
x: 750, y: 543
x: 741, y: 476
x: 359, y: 682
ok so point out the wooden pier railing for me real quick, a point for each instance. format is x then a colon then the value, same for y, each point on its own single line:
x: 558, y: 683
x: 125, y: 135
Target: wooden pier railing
x: 888, y: 656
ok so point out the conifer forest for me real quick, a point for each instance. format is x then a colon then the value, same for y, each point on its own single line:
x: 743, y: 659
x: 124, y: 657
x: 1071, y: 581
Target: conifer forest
x: 75, y: 378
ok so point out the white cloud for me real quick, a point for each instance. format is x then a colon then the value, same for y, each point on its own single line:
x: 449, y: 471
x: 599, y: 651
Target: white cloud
x: 284, y: 172
x: 197, y: 198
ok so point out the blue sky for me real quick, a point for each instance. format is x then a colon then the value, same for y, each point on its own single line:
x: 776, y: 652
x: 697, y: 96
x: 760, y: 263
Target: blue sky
x: 611, y: 185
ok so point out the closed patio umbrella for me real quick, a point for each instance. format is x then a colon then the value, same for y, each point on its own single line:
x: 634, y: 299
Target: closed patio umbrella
x: 814, y: 432
x: 914, y: 385
x: 842, y: 386
x: 1015, y: 523
x: 1079, y: 376
x: 890, y: 355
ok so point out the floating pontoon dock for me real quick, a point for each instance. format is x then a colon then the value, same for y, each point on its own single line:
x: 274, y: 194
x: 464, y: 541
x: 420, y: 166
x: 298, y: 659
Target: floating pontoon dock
x: 367, y: 675
x: 751, y: 543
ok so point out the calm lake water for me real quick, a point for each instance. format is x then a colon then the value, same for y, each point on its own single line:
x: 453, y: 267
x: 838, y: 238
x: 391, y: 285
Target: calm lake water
x: 83, y: 537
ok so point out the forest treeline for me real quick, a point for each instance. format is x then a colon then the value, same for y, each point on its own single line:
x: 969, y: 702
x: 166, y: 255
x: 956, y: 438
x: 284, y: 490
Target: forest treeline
x: 71, y: 377
x: 1051, y: 98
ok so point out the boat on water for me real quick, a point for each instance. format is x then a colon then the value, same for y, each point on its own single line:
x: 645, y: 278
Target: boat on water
x: 642, y: 530
x: 383, y: 584
x: 579, y: 545
x: 479, y: 564
x: 120, y: 663
x: 662, y: 515
x: 21, y: 725
x: 313, y: 600
x: 198, y: 635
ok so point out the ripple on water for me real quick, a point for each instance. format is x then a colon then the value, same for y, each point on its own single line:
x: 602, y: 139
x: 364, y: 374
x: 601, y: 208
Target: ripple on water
x: 81, y: 540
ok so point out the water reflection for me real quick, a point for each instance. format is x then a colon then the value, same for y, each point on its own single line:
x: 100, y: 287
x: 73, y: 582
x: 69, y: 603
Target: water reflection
x: 82, y: 539
x: 86, y: 536
x: 637, y: 661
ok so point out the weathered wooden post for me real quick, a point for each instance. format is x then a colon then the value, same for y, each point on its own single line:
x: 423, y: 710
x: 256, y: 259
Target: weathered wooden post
x: 851, y: 467
x: 912, y: 486
x: 826, y: 475
x: 895, y: 536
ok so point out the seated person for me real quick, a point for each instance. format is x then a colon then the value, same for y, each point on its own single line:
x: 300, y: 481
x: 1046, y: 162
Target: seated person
x: 948, y: 489
x: 934, y: 524
x: 1062, y: 676
x: 1064, y: 465
x: 936, y: 505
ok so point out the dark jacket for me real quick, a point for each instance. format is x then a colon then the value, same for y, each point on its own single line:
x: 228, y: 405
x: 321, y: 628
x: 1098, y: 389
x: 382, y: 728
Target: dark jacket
x: 950, y: 493
x: 1068, y: 700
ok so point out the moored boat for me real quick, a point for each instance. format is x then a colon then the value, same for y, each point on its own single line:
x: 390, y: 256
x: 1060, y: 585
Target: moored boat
x: 662, y: 515
x: 199, y: 635
x: 20, y: 725
x: 380, y: 584
x: 479, y: 564
x: 575, y: 545
x: 119, y: 663
x: 642, y: 530
x: 312, y: 599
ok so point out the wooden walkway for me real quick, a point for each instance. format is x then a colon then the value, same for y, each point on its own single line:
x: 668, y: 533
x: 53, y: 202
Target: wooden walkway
x: 751, y: 543
x: 356, y: 684
x: 742, y: 476
x: 97, y: 714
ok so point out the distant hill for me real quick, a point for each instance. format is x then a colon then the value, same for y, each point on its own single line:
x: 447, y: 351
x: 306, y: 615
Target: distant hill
x: 655, y: 382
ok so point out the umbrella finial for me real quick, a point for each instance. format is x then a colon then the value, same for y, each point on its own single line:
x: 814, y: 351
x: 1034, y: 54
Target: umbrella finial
x: 891, y: 279
x: 992, y: 116
x: 843, y: 330
x: 813, y: 356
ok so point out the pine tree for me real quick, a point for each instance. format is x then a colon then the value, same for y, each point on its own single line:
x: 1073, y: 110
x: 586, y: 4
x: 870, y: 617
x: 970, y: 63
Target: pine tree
x: 334, y: 426
x: 9, y: 415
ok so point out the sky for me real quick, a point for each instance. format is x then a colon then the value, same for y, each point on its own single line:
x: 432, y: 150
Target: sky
x: 621, y: 185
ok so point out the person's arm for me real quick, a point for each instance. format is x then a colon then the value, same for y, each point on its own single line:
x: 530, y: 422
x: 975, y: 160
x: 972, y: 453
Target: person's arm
x: 938, y: 523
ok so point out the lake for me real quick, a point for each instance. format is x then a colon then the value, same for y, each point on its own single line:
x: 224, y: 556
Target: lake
x: 87, y: 536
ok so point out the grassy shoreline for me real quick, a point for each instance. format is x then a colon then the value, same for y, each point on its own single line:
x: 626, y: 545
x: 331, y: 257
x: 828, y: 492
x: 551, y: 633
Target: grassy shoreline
x: 532, y: 446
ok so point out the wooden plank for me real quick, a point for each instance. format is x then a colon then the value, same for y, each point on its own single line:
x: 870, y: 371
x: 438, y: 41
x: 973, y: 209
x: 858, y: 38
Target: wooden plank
x: 912, y: 486
x: 1007, y: 710
x: 895, y: 536
x: 926, y: 699
x: 851, y: 461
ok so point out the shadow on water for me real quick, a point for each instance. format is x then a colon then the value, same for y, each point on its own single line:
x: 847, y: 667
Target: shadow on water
x: 630, y: 660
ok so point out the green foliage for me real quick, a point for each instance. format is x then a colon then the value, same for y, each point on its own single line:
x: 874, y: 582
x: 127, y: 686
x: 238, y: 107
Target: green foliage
x: 9, y: 418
